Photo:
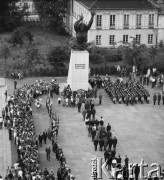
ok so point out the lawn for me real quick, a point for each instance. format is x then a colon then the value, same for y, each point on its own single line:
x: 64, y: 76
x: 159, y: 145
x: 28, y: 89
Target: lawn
x: 44, y: 42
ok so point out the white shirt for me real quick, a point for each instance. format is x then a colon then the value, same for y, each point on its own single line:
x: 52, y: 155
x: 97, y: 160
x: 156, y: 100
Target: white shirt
x: 20, y: 173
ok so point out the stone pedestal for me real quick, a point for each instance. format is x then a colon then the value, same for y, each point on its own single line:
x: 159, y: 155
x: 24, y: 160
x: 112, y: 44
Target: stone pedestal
x: 78, y: 70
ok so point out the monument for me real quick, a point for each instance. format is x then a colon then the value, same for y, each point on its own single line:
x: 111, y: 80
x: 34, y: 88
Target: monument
x: 79, y: 61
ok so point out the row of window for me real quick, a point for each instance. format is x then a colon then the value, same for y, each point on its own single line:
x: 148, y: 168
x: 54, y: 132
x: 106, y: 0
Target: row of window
x: 126, y: 20
x: 137, y: 39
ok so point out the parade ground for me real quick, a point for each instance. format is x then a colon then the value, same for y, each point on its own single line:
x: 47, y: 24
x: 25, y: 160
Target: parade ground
x: 139, y: 130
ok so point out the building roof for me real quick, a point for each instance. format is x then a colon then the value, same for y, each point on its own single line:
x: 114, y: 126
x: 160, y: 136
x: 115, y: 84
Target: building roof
x: 118, y: 4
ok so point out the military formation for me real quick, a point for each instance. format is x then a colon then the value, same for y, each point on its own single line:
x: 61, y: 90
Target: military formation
x: 127, y: 93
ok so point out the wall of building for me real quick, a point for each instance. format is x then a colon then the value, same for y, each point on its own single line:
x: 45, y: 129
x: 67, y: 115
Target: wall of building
x: 31, y: 9
x: 161, y: 28
x: 118, y: 30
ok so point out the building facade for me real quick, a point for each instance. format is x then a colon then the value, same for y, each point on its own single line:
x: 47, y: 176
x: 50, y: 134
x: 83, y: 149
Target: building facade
x: 29, y: 4
x: 118, y: 21
x: 160, y: 4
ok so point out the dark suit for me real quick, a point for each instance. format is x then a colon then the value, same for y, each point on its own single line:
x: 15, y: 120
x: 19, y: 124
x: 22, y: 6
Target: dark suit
x: 159, y: 99
x: 154, y: 98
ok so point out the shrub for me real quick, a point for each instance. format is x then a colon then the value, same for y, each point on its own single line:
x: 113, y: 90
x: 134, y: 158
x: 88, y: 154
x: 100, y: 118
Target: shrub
x: 19, y: 36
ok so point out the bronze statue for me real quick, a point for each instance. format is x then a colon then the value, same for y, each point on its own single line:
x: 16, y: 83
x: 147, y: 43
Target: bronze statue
x: 80, y: 42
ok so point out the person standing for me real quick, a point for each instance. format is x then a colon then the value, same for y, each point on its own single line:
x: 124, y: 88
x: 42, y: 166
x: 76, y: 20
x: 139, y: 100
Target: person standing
x: 154, y: 98
x: 126, y: 161
x: 5, y: 95
x: 1, y: 122
x: 15, y: 84
x: 3, y: 114
x: 48, y: 152
x: 100, y: 99
x: 136, y: 172
x: 119, y: 161
x: 84, y: 112
x: 95, y: 143
x: 108, y: 128
x: 163, y: 97
x: 159, y: 98
x: 10, y: 133
x: 40, y: 138
x: 45, y: 136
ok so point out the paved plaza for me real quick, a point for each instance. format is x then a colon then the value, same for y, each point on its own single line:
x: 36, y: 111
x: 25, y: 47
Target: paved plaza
x: 139, y: 130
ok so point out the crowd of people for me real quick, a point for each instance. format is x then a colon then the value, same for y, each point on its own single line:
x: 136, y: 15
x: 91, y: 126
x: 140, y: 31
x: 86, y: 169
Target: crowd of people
x: 104, y: 139
x: 128, y: 92
x: 76, y: 98
x: 152, y: 77
x: 17, y: 118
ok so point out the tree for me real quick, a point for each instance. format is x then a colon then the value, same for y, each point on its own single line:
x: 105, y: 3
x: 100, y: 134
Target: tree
x: 52, y: 12
x: 137, y: 55
x: 32, y: 57
x: 5, y: 52
x: 10, y: 14
x: 59, y: 56
x: 153, y: 53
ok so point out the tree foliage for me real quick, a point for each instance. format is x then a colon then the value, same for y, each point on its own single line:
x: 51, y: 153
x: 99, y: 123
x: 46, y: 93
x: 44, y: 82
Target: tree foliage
x: 32, y: 57
x: 20, y: 35
x: 59, y: 56
x: 52, y: 12
x: 10, y: 14
x: 138, y: 55
x: 153, y: 53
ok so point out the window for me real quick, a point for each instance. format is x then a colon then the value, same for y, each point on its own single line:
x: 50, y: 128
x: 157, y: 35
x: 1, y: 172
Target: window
x: 111, y: 39
x: 138, y: 38
x: 99, y: 21
x: 151, y: 20
x: 98, y: 40
x: 126, y: 20
x: 150, y: 38
x: 138, y: 20
x: 125, y: 39
x: 26, y: 5
x: 112, y: 21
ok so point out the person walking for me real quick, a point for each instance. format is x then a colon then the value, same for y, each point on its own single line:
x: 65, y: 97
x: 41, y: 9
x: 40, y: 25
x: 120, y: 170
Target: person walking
x: 48, y: 152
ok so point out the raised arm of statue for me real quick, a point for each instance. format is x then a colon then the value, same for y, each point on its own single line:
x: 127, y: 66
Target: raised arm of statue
x: 76, y: 24
x: 91, y: 21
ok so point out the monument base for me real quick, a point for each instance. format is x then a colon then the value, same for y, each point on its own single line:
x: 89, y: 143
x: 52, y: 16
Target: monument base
x: 78, y: 70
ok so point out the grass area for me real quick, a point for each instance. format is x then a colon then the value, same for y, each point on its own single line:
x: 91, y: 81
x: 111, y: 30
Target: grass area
x: 44, y: 42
